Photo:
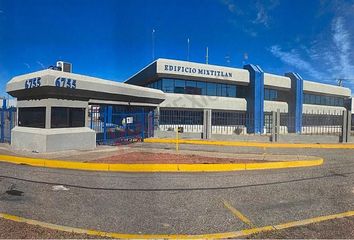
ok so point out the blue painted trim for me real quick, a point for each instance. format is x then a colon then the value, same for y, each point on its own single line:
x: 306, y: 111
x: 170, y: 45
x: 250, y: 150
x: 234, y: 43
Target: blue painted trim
x: 296, y: 100
x: 255, y: 99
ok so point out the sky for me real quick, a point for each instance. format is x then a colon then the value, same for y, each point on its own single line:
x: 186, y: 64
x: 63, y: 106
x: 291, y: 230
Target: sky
x: 113, y: 39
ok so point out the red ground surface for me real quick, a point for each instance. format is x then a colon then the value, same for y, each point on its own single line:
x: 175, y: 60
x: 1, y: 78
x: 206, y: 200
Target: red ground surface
x: 148, y: 157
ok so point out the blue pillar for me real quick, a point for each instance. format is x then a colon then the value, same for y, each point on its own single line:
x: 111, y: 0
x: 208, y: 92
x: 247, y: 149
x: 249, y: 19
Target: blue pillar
x: 296, y: 101
x: 255, y: 99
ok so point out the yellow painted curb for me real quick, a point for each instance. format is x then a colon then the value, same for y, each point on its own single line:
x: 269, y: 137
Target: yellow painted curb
x: 241, y: 233
x: 252, y: 144
x: 217, y: 167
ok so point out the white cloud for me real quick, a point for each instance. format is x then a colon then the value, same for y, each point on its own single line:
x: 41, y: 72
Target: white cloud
x: 262, y: 16
x: 293, y: 59
x: 41, y: 64
x: 231, y: 6
x: 341, y: 39
x: 27, y: 65
x: 329, y: 59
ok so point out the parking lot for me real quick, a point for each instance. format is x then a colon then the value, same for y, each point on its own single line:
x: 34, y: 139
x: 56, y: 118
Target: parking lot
x: 185, y: 203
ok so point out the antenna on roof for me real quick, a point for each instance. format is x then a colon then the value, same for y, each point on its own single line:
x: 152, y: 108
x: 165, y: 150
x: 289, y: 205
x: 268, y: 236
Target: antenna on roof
x: 340, y: 82
x: 207, y: 56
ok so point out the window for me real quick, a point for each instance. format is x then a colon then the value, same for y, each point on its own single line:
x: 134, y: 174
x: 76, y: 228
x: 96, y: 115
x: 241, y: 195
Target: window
x: 323, y: 100
x: 231, y: 91
x: 191, y: 87
x: 63, y: 117
x: 211, y: 89
x: 201, y: 88
x: 270, y: 94
x: 198, y: 87
x: 31, y: 117
x: 167, y: 85
x: 179, y: 86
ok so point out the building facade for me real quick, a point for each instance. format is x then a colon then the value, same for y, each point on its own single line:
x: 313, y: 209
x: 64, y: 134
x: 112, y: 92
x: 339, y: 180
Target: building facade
x: 238, y: 100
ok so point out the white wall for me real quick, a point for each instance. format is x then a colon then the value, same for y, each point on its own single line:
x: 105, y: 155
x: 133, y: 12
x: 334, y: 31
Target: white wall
x: 277, y: 81
x: 326, y: 89
x: 174, y: 100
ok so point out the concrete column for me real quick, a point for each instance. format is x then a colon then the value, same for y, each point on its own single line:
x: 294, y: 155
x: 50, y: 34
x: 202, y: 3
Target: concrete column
x: 277, y: 132
x: 274, y: 115
x: 295, y: 101
x: 343, y: 138
x: 48, y: 116
x: 207, y: 124
x: 349, y: 125
x: 255, y: 99
x: 87, y: 124
x: 157, y: 118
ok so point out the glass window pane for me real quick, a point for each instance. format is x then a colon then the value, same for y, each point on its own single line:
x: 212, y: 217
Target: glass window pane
x: 31, y: 117
x: 218, y: 89
x: 231, y: 91
x: 60, y: 117
x: 191, y: 87
x: 77, y: 117
x: 201, y: 88
x: 159, y: 84
x: 211, y: 89
x: 167, y: 85
x: 224, y: 92
x: 179, y: 86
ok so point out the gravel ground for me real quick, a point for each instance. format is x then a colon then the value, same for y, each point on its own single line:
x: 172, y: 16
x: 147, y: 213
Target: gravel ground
x: 334, y: 229
x: 342, y: 228
x: 17, y: 230
x: 149, y: 157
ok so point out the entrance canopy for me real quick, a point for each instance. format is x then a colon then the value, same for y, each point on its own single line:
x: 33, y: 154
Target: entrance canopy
x: 62, y: 85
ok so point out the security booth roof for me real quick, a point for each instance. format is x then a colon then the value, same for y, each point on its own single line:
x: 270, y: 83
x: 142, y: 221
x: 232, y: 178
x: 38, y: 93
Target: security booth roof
x: 62, y: 85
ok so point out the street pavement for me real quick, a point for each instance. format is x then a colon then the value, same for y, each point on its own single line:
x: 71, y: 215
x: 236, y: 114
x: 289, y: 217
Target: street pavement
x: 181, y: 203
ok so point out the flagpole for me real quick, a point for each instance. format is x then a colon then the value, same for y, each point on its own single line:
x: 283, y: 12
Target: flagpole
x: 153, y: 44
x: 188, y: 49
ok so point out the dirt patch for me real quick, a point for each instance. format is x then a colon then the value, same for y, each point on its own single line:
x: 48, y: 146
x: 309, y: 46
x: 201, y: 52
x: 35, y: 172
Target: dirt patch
x: 148, y: 157
x: 18, y: 230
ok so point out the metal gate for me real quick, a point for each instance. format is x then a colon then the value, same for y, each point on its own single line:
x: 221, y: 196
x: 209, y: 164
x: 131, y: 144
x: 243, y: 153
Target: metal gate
x: 7, y: 122
x: 124, y: 126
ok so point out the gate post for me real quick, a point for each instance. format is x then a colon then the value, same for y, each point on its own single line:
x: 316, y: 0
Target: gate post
x: 273, y: 126
x: 105, y: 125
x: 3, y: 119
x: 343, y: 138
x: 349, y: 124
x: 206, y: 123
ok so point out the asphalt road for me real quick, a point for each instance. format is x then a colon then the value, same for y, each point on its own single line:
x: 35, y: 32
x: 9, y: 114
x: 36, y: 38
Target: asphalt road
x: 182, y: 203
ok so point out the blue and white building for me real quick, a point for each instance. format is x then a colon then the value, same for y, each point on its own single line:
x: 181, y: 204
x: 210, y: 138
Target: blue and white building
x: 236, y: 99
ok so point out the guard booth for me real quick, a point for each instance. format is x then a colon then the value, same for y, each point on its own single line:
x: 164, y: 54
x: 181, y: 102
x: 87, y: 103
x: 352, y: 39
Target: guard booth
x: 59, y: 111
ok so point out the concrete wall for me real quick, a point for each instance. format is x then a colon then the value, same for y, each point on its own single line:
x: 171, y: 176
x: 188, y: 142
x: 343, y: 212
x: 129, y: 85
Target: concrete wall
x: 174, y: 100
x: 52, y: 140
x: 275, y: 105
x: 199, y: 71
x: 326, y: 89
x: 276, y: 81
